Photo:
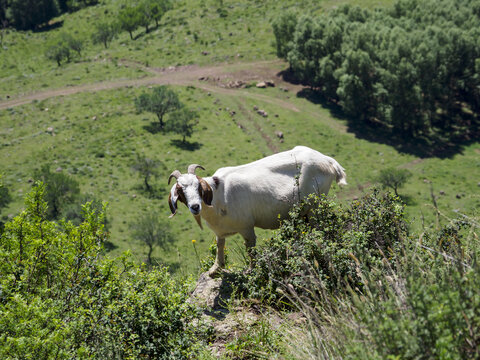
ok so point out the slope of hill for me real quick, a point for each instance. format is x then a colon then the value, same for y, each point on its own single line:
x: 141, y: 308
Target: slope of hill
x: 96, y: 133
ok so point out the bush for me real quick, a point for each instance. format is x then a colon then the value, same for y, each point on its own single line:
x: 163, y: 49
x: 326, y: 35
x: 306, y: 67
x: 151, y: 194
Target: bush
x: 334, y: 244
x: 423, y: 304
x: 60, y: 299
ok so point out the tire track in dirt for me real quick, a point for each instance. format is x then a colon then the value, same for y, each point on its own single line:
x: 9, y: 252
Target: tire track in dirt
x: 268, y: 140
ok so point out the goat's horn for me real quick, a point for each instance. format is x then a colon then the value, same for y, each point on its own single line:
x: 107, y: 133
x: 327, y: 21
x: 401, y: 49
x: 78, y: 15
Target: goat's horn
x: 193, y: 167
x: 174, y: 174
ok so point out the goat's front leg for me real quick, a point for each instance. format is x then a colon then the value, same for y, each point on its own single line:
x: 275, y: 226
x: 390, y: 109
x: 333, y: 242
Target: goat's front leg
x: 250, y: 242
x: 220, y: 259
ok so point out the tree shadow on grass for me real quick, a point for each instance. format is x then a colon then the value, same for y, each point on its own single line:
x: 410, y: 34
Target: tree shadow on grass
x: 408, y: 199
x: 190, y: 146
x: 156, y: 191
x: 109, y: 246
x: 154, y: 128
x: 373, y: 131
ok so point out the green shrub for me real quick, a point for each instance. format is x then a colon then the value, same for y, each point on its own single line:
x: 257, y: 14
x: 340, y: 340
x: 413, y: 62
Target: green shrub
x: 60, y: 299
x: 422, y: 303
x: 426, y: 307
x: 334, y: 244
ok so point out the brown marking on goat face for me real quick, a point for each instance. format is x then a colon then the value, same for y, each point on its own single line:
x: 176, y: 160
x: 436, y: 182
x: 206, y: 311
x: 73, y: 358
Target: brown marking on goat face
x: 180, y: 196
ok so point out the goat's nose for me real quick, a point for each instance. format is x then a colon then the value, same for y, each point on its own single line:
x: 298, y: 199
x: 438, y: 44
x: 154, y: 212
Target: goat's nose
x: 195, y: 207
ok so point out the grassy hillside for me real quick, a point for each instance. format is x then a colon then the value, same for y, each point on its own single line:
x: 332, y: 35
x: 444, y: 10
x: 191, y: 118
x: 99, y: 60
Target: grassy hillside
x: 97, y: 134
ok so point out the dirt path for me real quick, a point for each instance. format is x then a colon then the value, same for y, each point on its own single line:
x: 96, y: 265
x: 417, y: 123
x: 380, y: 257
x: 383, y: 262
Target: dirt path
x: 214, y: 79
x: 183, y: 75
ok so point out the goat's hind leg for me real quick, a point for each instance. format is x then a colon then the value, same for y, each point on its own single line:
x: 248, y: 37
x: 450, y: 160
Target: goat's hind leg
x: 250, y: 242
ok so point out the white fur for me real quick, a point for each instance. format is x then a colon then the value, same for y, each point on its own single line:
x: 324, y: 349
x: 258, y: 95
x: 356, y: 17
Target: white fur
x: 259, y: 193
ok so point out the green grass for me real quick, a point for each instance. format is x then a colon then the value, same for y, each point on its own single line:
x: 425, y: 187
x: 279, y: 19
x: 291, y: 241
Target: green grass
x: 97, y: 135
x: 182, y: 38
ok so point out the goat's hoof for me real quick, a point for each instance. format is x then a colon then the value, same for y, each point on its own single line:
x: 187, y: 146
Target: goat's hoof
x: 214, y: 271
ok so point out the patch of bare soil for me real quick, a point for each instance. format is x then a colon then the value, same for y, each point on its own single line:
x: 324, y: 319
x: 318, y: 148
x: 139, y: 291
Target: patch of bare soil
x: 228, y: 320
x: 232, y: 318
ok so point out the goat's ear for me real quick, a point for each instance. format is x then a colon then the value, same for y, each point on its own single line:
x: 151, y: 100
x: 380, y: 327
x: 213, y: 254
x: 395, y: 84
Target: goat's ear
x: 172, y: 200
x: 207, y: 193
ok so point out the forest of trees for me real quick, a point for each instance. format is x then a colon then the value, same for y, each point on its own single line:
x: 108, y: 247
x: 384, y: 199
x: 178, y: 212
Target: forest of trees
x: 413, y: 70
x: 30, y: 14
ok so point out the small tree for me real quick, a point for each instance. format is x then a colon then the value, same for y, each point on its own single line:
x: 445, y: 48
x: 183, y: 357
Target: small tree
x: 5, y: 196
x: 146, y: 168
x: 75, y: 213
x: 129, y: 19
x: 58, y: 52
x: 153, y: 232
x: 182, y: 122
x: 393, y: 178
x: 145, y: 14
x: 73, y: 43
x: 158, y: 8
x: 161, y: 101
x: 60, y: 190
x: 104, y: 33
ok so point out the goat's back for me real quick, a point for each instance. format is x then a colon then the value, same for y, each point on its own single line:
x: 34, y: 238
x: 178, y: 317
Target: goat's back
x: 262, y: 190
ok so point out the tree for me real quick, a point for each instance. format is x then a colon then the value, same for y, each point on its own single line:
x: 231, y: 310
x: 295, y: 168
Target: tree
x: 146, y: 168
x: 284, y: 29
x: 74, y: 43
x: 5, y: 199
x: 59, y: 50
x: 129, y: 19
x: 5, y: 196
x: 393, y: 178
x: 60, y: 190
x: 160, y: 102
x: 158, y: 8
x: 146, y: 15
x: 104, y: 33
x: 75, y: 213
x: 153, y: 232
x: 182, y: 122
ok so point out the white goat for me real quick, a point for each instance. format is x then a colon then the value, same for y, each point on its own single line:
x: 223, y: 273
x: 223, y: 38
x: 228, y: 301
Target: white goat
x: 257, y: 194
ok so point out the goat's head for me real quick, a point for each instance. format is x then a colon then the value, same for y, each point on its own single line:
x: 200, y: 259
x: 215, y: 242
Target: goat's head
x: 190, y: 189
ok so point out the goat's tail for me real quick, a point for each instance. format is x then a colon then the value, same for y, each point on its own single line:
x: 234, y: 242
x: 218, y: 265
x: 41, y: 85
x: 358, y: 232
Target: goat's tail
x: 340, y: 175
